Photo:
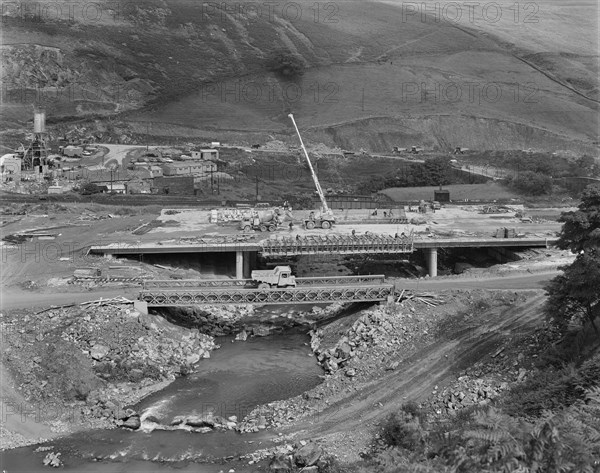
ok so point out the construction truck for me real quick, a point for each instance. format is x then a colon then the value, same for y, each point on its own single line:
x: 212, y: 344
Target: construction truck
x: 280, y: 276
x: 262, y: 221
x: 324, y: 218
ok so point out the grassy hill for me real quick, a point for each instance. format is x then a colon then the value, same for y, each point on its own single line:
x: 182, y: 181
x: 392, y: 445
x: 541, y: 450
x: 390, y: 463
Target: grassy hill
x: 375, y: 76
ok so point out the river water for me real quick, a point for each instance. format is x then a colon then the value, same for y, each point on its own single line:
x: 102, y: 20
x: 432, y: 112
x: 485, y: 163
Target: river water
x: 239, y: 376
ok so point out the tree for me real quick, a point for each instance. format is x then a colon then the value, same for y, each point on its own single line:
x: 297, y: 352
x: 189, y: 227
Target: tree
x: 286, y: 64
x: 90, y: 188
x: 533, y: 183
x: 575, y: 294
x: 437, y: 171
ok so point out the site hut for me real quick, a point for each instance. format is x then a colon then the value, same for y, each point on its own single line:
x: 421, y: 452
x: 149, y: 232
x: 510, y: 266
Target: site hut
x: 206, y: 154
x: 441, y: 195
x: 189, y: 168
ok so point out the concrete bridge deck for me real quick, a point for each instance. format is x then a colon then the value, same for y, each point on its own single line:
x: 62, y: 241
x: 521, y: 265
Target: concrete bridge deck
x: 322, y: 245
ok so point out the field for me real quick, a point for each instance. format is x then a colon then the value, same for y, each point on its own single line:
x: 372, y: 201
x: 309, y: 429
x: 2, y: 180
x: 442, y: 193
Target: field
x: 458, y: 192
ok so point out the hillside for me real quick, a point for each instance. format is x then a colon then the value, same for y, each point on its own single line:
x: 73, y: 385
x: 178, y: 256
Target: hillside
x: 375, y: 75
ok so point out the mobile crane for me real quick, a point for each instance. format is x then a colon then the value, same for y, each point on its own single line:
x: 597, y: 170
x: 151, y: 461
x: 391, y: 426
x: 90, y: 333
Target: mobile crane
x: 325, y: 218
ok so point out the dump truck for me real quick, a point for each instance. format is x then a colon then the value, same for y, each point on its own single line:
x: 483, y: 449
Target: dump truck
x: 280, y: 276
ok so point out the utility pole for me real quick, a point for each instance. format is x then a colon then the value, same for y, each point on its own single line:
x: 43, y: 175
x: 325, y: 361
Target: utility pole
x: 147, y: 136
x: 257, y: 189
x: 212, y: 182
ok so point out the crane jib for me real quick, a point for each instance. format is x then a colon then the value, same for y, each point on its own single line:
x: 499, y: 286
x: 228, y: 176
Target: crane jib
x: 312, y: 171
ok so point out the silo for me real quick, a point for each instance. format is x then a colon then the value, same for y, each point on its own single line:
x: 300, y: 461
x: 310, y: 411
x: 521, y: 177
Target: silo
x: 39, y: 122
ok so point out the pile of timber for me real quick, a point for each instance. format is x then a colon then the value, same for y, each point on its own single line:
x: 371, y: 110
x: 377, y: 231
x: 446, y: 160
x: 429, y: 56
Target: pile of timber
x: 426, y: 298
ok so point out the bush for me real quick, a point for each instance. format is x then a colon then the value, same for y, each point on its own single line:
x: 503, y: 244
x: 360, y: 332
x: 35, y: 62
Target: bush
x: 285, y: 64
x: 125, y: 371
x: 404, y: 429
x: 552, y: 389
x: 90, y: 188
x: 532, y: 183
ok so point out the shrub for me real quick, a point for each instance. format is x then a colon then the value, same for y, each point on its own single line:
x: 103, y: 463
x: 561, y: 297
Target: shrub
x: 286, y: 64
x: 124, y: 371
x: 404, y: 429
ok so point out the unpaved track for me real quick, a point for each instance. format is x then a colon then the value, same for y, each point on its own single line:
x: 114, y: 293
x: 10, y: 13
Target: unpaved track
x: 416, y: 377
x: 511, y: 282
x: 11, y: 298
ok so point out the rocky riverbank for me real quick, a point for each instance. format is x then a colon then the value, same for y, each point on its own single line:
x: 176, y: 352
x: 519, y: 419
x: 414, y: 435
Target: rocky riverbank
x: 374, y: 347
x: 80, y: 367
x: 84, y: 366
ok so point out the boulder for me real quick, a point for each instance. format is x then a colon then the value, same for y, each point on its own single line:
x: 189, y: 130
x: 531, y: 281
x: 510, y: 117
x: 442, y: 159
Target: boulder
x: 261, y: 331
x: 152, y: 418
x: 200, y: 421
x: 132, y: 422
x: 350, y: 372
x: 192, y: 359
x: 281, y: 462
x: 344, y: 350
x: 99, y: 351
x: 310, y: 469
x: 308, y: 455
x: 242, y: 336
x: 178, y: 420
x: 125, y: 414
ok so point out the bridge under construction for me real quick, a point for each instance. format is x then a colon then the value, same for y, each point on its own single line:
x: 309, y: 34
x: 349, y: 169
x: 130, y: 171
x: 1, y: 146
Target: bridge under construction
x: 365, y: 244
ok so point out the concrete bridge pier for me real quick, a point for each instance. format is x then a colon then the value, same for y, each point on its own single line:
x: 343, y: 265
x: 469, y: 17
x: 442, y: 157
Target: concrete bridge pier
x: 239, y: 265
x: 244, y: 262
x: 431, y: 258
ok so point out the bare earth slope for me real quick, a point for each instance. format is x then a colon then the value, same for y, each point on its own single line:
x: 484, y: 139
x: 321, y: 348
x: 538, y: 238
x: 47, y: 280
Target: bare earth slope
x: 404, y: 77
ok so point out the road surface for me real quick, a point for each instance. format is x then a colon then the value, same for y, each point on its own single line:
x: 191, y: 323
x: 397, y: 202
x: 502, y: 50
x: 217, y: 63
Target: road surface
x: 513, y: 282
x: 12, y: 298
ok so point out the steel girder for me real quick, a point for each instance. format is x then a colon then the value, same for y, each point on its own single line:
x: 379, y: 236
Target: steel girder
x: 312, y: 281
x: 193, y: 283
x: 303, y: 295
x: 310, y: 245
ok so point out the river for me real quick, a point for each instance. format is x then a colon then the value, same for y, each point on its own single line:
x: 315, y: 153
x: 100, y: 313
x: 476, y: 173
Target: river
x: 238, y: 377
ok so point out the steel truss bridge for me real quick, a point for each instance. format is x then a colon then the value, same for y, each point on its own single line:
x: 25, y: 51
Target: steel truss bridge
x: 249, y: 284
x: 339, y: 244
x: 239, y: 291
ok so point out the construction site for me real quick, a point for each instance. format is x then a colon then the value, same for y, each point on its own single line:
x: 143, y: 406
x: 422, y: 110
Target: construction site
x: 361, y: 239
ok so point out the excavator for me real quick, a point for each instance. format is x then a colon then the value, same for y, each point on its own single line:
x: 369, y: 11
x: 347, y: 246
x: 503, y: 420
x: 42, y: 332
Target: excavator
x: 324, y: 218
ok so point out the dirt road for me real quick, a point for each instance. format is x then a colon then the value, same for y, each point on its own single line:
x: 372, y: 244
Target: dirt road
x: 346, y: 423
x: 12, y: 298
x: 513, y: 282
